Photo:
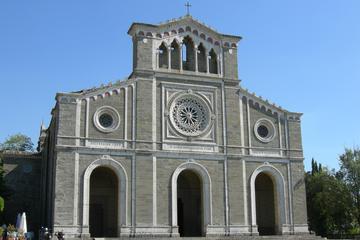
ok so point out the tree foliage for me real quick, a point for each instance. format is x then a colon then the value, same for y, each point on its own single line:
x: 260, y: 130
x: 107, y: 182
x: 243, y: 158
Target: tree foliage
x: 18, y: 142
x: 329, y: 202
x: 350, y: 174
x: 2, y: 204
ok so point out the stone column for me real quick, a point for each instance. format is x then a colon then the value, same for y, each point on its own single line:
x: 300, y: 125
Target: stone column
x: 218, y: 59
x: 180, y: 56
x: 169, y: 58
x: 196, y: 57
x: 207, y: 57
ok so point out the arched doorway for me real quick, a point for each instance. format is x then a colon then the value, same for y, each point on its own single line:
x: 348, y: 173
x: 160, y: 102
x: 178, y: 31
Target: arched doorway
x: 189, y: 204
x: 265, y: 205
x: 198, y: 177
x: 267, y: 182
x: 103, y: 204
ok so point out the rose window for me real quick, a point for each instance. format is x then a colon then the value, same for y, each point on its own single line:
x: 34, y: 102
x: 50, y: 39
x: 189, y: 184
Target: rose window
x: 189, y: 115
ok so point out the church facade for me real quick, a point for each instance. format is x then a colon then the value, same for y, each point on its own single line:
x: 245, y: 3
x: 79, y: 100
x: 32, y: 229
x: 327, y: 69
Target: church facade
x: 179, y: 148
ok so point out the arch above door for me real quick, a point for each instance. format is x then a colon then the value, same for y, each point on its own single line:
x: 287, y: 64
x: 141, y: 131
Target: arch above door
x: 122, y: 191
x: 206, y: 192
x: 279, y: 188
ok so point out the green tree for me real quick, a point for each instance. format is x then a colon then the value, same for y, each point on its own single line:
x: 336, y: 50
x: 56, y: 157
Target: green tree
x: 329, y: 203
x: 350, y: 173
x: 2, y: 204
x: 18, y: 142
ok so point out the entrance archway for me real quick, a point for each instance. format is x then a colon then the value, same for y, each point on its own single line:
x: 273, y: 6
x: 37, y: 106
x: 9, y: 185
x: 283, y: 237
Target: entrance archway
x: 103, y: 203
x: 268, y: 202
x: 265, y: 205
x: 121, y: 211
x: 192, y: 182
x: 189, y: 203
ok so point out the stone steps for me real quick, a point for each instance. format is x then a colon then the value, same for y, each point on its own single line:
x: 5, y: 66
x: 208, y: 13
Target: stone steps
x: 284, y: 237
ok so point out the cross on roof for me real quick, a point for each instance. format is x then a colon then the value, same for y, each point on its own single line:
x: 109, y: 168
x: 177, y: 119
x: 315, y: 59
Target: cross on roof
x: 187, y: 5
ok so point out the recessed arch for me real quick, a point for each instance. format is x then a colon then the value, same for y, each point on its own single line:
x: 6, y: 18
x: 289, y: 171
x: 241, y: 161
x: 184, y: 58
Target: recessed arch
x: 279, y: 194
x: 188, y: 54
x: 201, y: 57
x: 163, y: 56
x: 120, y: 173
x: 213, y: 62
x: 175, y: 55
x: 206, y: 193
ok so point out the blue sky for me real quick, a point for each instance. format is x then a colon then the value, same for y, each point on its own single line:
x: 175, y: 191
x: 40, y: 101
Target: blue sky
x: 303, y: 55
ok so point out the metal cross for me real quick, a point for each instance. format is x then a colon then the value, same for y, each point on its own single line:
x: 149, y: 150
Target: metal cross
x: 188, y: 5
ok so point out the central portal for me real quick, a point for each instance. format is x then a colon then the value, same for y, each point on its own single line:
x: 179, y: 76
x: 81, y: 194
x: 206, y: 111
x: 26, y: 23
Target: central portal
x: 103, y: 203
x: 190, y: 214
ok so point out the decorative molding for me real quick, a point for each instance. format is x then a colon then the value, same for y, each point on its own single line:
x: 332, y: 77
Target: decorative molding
x: 76, y: 189
x: 174, y: 96
x: 189, y: 147
x: 67, y: 99
x: 105, y: 144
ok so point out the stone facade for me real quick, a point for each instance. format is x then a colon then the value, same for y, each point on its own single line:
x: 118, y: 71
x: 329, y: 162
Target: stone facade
x: 182, y: 109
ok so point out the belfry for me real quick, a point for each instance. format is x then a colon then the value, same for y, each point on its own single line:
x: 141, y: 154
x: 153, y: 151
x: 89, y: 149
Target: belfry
x: 178, y: 149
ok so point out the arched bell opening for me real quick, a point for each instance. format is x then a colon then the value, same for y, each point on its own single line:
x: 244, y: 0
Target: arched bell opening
x: 213, y: 63
x: 175, y: 55
x: 163, y: 56
x: 201, y: 57
x: 188, y: 54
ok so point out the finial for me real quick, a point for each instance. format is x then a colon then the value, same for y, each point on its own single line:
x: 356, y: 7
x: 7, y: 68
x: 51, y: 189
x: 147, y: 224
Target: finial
x: 187, y: 5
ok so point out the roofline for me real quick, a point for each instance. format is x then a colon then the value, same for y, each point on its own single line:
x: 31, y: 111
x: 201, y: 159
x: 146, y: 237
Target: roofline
x: 237, y: 37
x: 232, y: 36
x: 140, y: 23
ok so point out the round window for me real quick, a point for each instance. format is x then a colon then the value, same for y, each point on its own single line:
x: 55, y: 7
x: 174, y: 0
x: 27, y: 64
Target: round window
x: 190, y: 115
x: 264, y: 130
x: 106, y: 119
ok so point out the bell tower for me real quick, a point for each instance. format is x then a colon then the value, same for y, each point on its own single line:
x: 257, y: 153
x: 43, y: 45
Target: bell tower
x: 184, y: 46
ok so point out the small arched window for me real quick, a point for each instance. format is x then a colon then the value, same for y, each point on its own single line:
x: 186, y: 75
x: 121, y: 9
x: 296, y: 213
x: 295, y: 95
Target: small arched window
x: 163, y: 56
x: 175, y: 55
x: 188, y: 54
x: 201, y: 53
x: 213, y: 63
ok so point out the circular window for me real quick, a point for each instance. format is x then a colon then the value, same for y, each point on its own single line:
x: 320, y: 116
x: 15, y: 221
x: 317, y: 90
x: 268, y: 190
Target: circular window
x: 264, y: 130
x: 106, y: 119
x: 190, y: 115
